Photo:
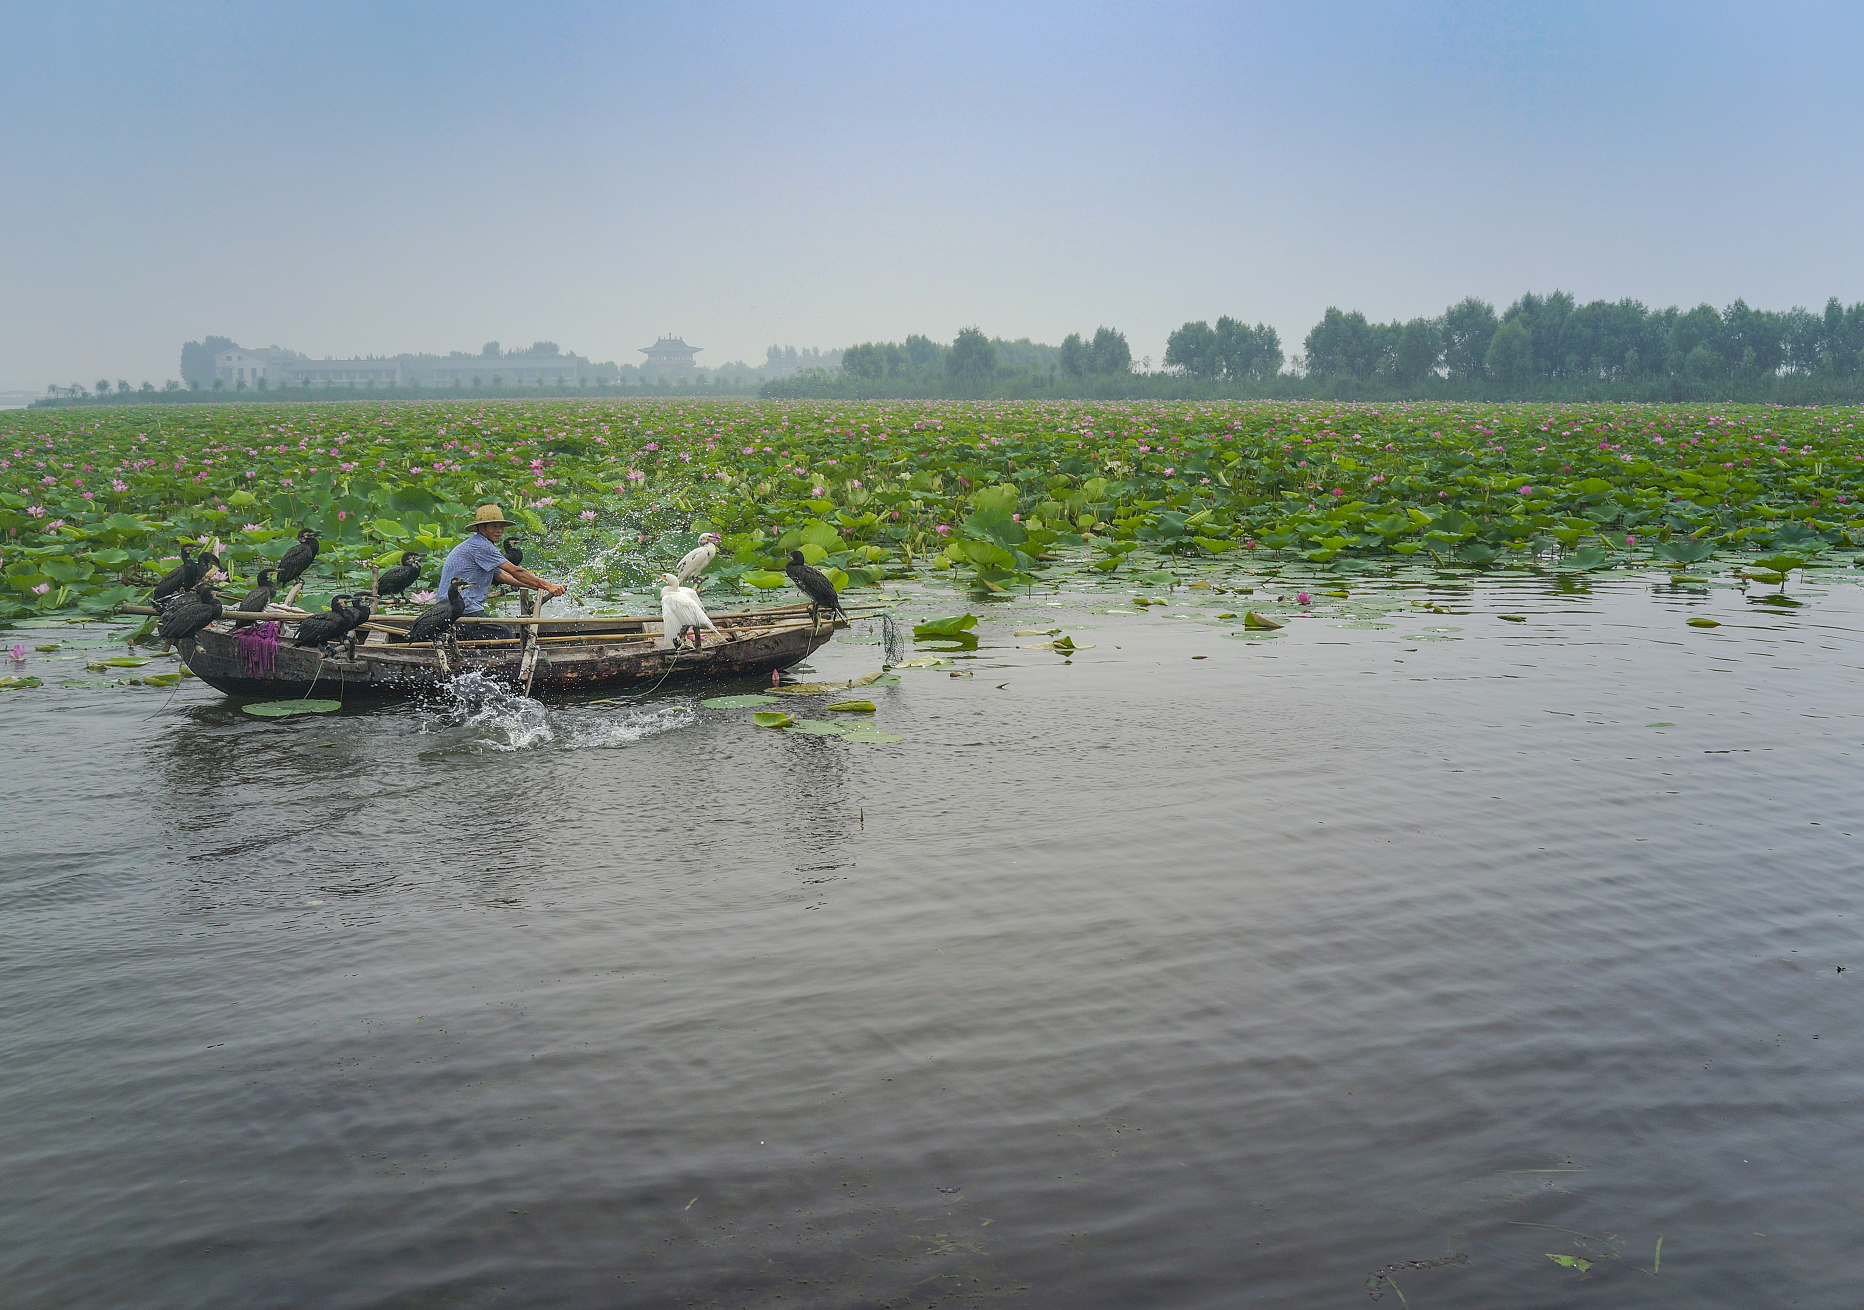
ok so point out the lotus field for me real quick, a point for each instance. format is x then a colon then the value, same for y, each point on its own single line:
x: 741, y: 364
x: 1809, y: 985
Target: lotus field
x: 94, y: 503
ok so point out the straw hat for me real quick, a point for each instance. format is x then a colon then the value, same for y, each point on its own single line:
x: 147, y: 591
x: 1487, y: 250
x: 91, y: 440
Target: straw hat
x: 488, y: 515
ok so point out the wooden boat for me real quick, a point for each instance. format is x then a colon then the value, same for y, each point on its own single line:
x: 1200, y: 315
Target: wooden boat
x: 551, y: 656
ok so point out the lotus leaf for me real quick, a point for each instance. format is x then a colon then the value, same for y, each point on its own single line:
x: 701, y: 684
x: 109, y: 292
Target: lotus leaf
x: 17, y: 683
x: 119, y: 662
x: 869, y: 736
x: 283, y: 709
x: 1256, y: 622
x: 1702, y: 623
x: 815, y: 728
x: 852, y: 706
x: 737, y: 702
x: 1512, y: 618
x: 950, y: 627
x: 772, y: 719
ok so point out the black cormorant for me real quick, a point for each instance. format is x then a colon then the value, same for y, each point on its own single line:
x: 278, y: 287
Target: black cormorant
x: 294, y: 561
x: 397, y: 580
x: 812, y: 583
x: 359, y: 613
x: 513, y: 551
x: 433, y: 622
x: 188, y: 613
x: 328, y: 626
x: 184, y: 577
x: 255, y: 601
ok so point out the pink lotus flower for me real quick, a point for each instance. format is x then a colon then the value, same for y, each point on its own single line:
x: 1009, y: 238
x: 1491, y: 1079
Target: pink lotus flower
x: 18, y: 653
x: 588, y: 516
x: 943, y: 529
x: 1527, y: 491
x: 1303, y: 598
x: 424, y: 598
x: 41, y: 589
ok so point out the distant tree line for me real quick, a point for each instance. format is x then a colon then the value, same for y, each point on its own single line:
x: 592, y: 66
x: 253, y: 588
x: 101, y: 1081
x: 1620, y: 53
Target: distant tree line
x: 1542, y: 347
x: 1552, y: 339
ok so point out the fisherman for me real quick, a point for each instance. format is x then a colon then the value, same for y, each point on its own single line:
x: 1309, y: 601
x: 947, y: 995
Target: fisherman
x: 478, y: 562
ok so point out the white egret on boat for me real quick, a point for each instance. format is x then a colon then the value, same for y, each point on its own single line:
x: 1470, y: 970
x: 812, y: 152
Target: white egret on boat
x: 680, y: 609
x: 695, y: 561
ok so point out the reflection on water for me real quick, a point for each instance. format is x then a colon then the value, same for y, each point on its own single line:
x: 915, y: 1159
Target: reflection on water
x: 1394, y: 952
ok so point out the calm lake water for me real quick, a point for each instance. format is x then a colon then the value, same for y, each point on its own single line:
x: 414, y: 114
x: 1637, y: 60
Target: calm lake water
x: 1196, y: 971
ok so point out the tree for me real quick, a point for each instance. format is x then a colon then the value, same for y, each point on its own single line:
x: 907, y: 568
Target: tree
x: 103, y: 386
x: 972, y: 359
x: 1192, y: 349
x: 1419, y: 348
x: 1245, y: 353
x: 922, y: 351
x: 489, y: 350
x: 1341, y: 345
x: 197, y: 358
x: 1073, y: 355
x: 1109, y: 352
x: 1510, y: 359
x: 543, y: 348
x: 867, y: 361
x: 1468, y: 328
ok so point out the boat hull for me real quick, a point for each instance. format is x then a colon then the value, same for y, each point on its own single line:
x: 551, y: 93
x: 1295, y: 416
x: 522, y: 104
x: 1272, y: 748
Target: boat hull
x: 612, y: 662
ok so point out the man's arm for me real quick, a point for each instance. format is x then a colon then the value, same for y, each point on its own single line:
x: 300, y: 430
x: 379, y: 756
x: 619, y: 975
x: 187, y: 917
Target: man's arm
x: 514, y: 575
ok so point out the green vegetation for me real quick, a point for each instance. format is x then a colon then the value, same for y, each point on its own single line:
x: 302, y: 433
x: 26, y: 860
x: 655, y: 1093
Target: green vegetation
x: 95, y: 502
x: 1544, y: 348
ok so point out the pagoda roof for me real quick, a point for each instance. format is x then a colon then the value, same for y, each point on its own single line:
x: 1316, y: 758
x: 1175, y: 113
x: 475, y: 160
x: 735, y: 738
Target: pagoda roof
x: 670, y: 346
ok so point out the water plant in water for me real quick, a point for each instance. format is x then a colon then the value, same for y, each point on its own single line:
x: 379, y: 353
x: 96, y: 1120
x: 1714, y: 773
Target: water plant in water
x: 95, y: 503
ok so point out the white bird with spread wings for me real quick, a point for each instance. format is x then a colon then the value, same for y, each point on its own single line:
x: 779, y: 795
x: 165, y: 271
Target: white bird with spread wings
x: 679, y: 610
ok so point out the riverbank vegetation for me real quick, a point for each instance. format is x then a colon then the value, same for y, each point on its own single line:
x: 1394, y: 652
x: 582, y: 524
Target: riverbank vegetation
x: 93, y: 503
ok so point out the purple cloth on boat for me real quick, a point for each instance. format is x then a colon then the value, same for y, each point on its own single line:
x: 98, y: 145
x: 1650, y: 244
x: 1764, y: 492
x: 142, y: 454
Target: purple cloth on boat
x: 258, y: 649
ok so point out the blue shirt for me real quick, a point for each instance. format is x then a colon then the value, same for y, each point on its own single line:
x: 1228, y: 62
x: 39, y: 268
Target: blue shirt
x: 477, y: 561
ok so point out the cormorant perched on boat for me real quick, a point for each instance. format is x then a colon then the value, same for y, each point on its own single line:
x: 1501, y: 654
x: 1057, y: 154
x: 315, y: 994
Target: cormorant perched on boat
x: 294, y: 561
x: 359, y: 613
x: 397, y: 580
x: 184, y: 577
x: 513, y: 551
x: 679, y: 610
x: 188, y: 613
x: 813, y: 584
x: 433, y: 622
x: 328, y: 626
x: 255, y: 601
x: 695, y: 561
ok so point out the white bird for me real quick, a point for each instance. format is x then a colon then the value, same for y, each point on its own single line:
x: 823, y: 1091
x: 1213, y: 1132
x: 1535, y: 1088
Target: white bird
x: 680, y: 609
x: 697, y: 558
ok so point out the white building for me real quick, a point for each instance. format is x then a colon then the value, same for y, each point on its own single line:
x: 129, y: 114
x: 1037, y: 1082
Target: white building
x: 243, y: 365
x: 510, y: 370
x: 342, y: 372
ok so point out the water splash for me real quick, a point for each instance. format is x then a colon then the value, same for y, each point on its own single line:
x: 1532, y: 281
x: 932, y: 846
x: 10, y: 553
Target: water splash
x: 480, y: 714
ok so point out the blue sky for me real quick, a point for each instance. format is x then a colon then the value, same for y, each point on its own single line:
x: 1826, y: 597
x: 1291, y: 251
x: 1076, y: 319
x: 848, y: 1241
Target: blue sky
x: 345, y: 178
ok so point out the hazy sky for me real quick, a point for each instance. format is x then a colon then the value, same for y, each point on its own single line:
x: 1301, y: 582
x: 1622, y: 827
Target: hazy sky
x: 356, y: 178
